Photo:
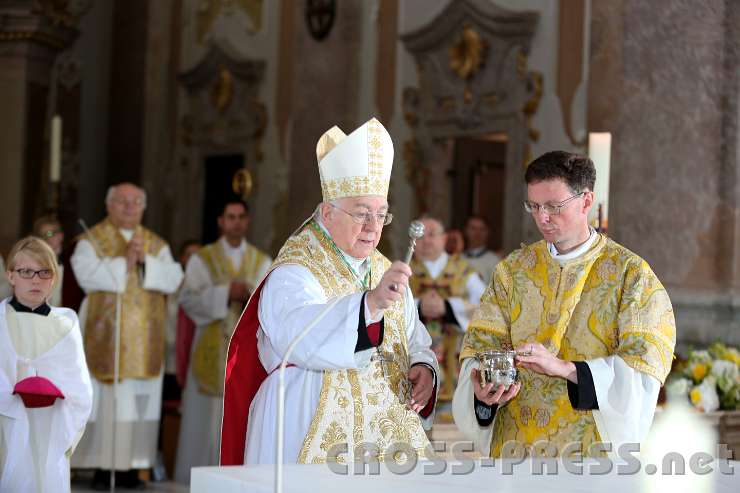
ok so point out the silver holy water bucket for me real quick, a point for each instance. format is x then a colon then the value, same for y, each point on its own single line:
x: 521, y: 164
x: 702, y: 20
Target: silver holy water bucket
x: 496, y: 367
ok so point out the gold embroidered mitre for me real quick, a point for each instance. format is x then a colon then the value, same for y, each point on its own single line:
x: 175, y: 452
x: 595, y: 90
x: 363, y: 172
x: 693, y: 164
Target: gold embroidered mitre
x: 356, y: 164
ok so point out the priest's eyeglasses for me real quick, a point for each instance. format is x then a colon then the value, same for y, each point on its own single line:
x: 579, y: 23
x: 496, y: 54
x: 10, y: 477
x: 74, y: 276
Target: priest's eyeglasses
x: 30, y: 273
x: 549, y: 209
x: 383, y: 218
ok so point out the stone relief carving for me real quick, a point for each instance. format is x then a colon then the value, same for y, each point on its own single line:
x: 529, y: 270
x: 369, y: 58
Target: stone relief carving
x: 223, y: 107
x: 210, y: 10
x: 473, y: 80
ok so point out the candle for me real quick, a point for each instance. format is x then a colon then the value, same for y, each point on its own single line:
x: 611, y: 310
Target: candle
x: 55, y: 160
x: 599, y: 150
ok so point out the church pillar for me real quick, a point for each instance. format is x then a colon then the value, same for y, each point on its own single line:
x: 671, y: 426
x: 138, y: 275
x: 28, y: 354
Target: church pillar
x: 32, y: 34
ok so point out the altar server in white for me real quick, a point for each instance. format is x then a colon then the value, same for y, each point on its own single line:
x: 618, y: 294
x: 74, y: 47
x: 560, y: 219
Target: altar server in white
x: 45, y: 391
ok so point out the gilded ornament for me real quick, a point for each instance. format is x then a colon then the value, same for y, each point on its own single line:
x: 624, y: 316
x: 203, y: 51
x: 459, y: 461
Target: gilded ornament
x: 466, y: 55
x: 242, y: 183
x: 222, y: 92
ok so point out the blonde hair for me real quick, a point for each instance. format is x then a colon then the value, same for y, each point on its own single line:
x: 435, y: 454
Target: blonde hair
x: 38, y: 250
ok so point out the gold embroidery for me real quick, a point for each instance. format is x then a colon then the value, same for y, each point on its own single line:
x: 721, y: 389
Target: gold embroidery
x: 209, y: 355
x: 353, y: 401
x: 606, y: 302
x: 446, y: 338
x: 142, y: 314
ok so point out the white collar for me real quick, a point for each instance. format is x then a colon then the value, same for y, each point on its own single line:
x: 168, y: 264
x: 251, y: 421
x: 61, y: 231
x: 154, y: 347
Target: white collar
x: 436, y: 266
x: 583, y: 248
x: 233, y: 250
x: 476, y: 252
x: 127, y: 233
x: 360, y: 265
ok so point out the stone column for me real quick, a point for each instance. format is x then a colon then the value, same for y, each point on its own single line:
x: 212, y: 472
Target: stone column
x: 32, y: 34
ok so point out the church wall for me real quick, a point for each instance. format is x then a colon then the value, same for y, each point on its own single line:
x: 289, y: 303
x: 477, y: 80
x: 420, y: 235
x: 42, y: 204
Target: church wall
x: 665, y: 83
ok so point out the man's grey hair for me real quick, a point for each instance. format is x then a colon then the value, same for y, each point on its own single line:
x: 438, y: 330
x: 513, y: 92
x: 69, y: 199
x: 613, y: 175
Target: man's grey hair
x: 430, y: 217
x: 112, y: 190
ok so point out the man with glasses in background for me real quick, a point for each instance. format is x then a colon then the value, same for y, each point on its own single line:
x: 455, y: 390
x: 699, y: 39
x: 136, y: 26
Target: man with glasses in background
x: 591, y: 324
x: 365, y: 374
x: 119, y: 257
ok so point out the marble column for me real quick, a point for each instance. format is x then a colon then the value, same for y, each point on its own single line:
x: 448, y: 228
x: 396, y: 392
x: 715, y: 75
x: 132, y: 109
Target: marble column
x: 32, y: 34
x: 664, y: 81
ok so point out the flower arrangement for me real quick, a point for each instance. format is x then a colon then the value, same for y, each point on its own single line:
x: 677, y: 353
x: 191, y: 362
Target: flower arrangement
x: 710, y: 378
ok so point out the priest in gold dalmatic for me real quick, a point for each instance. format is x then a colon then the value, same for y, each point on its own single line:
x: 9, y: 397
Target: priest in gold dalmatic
x: 119, y: 257
x: 365, y: 375
x: 219, y: 279
x: 592, y: 325
x: 447, y: 290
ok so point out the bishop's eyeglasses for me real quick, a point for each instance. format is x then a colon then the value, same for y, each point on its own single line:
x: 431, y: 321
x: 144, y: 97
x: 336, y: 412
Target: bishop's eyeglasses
x: 383, y: 218
x: 549, y: 209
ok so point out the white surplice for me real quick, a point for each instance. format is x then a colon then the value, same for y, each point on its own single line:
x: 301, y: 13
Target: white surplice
x: 204, y: 302
x: 139, y: 401
x: 291, y: 297
x: 462, y: 307
x: 35, y: 442
x: 483, y: 261
x: 626, y: 397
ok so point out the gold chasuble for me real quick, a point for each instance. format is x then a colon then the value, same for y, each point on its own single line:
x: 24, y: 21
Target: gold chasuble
x: 605, y: 302
x: 365, y: 405
x: 446, y: 338
x: 142, y: 314
x: 209, y: 355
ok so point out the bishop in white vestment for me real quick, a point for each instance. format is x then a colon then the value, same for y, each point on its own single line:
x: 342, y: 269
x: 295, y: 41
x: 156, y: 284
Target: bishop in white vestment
x: 365, y: 374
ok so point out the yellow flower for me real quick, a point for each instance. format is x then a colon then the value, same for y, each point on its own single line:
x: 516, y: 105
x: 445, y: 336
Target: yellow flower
x: 695, y: 395
x: 699, y: 371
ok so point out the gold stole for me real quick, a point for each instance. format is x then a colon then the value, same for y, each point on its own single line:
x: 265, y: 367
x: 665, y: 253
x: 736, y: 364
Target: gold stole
x: 356, y: 406
x: 450, y: 283
x: 209, y: 355
x: 142, y: 314
x: 606, y: 302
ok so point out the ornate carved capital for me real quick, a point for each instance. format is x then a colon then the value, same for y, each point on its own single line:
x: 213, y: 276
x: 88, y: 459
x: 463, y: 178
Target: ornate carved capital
x: 50, y: 23
x: 467, y: 60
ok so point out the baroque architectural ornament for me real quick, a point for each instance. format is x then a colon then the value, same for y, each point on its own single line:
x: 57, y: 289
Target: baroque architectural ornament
x: 210, y: 10
x: 466, y: 56
x: 473, y: 81
x: 223, y: 110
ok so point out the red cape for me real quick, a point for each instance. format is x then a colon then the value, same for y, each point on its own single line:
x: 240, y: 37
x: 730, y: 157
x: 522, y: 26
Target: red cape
x: 244, y: 375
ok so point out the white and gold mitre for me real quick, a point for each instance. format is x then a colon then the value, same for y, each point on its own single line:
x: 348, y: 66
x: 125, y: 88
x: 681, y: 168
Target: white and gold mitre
x: 356, y: 164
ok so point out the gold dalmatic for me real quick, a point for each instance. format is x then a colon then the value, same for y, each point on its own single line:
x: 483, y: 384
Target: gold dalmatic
x: 605, y: 302
x: 446, y: 338
x: 209, y: 355
x: 360, y: 406
x: 142, y: 314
